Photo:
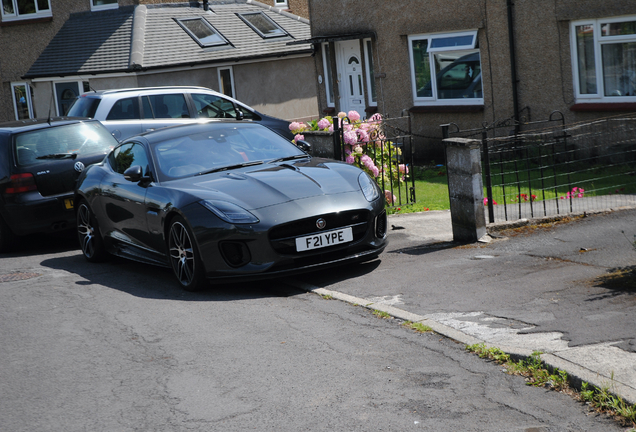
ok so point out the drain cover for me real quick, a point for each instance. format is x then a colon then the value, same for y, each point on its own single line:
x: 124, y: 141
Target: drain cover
x: 11, y: 277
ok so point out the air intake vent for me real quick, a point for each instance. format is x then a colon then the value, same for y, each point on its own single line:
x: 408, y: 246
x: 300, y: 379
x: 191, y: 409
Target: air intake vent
x: 380, y: 225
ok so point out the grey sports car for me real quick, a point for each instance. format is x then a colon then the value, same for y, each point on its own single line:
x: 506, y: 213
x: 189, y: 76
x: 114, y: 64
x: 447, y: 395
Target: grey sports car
x: 227, y: 201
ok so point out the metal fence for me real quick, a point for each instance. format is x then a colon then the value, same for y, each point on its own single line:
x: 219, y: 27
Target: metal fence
x: 383, y: 147
x: 552, y: 168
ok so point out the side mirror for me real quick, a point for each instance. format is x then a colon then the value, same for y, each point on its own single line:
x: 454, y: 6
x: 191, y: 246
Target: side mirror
x: 239, y: 114
x: 304, y: 146
x: 134, y: 173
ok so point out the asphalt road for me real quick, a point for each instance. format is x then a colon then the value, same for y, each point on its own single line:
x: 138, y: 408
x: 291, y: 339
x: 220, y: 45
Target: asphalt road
x: 119, y: 347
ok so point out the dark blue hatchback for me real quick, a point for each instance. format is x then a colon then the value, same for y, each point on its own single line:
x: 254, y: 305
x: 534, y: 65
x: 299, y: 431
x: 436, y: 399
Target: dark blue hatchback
x: 40, y: 161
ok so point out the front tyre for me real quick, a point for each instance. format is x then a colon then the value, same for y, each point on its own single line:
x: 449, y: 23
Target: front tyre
x: 184, y: 256
x: 89, y: 236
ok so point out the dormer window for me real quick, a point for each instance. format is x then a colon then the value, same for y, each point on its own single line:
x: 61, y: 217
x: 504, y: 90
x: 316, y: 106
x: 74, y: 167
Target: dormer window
x: 263, y: 25
x: 202, y: 31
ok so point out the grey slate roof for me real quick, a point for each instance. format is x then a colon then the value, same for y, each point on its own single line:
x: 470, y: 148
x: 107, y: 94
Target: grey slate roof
x: 88, y: 42
x: 148, y: 37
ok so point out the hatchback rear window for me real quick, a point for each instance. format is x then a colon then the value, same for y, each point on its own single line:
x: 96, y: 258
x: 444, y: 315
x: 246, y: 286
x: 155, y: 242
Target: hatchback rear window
x: 84, y: 107
x: 62, y: 142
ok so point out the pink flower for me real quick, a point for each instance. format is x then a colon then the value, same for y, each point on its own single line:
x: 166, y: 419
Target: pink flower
x: 350, y: 137
x: 342, y: 114
x: 363, y: 136
x: 486, y: 202
x: 377, y: 117
x: 353, y: 115
x: 293, y: 126
x: 403, y: 168
x: 323, y: 124
x: 299, y: 137
x: 390, y: 198
x: 350, y: 159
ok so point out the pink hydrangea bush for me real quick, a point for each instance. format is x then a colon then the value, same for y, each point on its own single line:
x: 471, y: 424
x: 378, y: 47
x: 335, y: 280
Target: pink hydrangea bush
x: 365, y: 145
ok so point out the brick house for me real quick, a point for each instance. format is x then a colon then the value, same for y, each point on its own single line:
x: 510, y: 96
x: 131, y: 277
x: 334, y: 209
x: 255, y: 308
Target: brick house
x: 473, y: 62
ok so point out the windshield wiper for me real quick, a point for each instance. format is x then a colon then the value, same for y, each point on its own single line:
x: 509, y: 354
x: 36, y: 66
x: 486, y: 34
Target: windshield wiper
x: 58, y: 156
x: 298, y: 156
x: 230, y: 167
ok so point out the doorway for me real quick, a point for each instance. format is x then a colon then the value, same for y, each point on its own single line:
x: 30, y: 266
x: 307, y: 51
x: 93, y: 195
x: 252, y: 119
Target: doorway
x: 350, y: 81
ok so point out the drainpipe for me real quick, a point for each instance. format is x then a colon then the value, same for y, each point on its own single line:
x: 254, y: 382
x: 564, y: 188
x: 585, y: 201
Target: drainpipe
x: 513, y: 66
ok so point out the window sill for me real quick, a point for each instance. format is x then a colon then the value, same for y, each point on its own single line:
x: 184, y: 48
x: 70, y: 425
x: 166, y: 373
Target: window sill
x: 15, y: 22
x: 446, y: 109
x: 604, y: 106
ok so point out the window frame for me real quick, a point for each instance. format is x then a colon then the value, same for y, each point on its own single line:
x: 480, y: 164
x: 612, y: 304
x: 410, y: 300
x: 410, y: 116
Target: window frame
x: 206, y: 23
x: 28, y: 99
x: 434, y: 100
x: 599, y: 41
x: 370, y: 72
x: 326, y: 62
x: 257, y: 30
x: 15, y: 16
x: 281, y: 4
x: 95, y: 7
x: 218, y: 72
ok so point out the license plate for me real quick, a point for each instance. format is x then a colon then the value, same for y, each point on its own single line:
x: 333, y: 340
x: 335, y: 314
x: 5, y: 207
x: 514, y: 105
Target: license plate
x: 324, y: 239
x: 68, y: 203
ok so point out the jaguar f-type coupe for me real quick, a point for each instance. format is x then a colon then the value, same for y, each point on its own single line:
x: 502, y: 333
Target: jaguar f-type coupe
x: 227, y: 201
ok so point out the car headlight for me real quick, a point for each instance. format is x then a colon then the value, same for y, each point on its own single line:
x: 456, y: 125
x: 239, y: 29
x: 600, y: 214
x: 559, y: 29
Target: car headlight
x: 230, y: 212
x: 368, y: 186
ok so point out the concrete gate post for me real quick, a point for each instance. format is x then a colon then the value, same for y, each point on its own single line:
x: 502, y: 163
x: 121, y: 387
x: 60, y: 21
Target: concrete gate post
x: 465, y: 189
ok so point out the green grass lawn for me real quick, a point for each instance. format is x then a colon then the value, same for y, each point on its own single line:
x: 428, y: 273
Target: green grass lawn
x: 431, y: 185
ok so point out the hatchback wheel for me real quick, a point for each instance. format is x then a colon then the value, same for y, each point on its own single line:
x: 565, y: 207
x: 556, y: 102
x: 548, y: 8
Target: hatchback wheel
x: 184, y: 256
x: 7, y: 238
x: 89, y: 236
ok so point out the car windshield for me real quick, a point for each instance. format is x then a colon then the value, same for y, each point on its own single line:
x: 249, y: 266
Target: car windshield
x: 60, y: 142
x: 217, y: 147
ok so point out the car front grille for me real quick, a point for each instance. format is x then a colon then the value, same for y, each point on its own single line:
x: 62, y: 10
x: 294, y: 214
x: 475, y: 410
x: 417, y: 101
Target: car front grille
x: 283, y: 237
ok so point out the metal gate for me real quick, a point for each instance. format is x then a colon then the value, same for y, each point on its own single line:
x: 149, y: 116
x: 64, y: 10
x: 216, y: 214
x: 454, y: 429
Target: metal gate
x: 383, y: 147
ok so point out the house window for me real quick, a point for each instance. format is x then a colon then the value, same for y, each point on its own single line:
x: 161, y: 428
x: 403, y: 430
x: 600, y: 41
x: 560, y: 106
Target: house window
x: 446, y: 69
x: 281, y: 4
x: 262, y: 24
x: 22, y: 101
x: 368, y: 57
x: 25, y: 9
x: 103, y: 4
x: 202, y: 32
x: 604, y: 59
x: 226, y: 81
x: 327, y: 67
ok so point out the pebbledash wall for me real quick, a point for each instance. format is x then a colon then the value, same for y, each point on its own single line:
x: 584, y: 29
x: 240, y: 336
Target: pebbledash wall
x: 543, y: 54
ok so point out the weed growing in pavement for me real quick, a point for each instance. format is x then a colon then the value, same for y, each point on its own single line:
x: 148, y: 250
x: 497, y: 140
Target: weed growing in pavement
x: 536, y: 374
x: 418, y: 327
x: 326, y: 296
x: 381, y: 314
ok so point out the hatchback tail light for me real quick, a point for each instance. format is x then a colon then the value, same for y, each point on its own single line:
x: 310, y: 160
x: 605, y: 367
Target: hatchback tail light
x: 20, y: 183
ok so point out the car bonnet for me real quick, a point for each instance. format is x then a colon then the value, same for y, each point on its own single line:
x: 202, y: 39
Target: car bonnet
x: 272, y: 184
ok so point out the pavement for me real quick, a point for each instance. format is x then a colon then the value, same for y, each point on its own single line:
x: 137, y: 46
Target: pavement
x: 585, y: 330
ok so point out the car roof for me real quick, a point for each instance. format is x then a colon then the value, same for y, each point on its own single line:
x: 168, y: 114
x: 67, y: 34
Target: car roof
x: 146, y: 89
x: 17, y: 126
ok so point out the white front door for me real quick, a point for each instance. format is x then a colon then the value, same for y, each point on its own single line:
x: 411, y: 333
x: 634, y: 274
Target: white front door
x: 349, y: 66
